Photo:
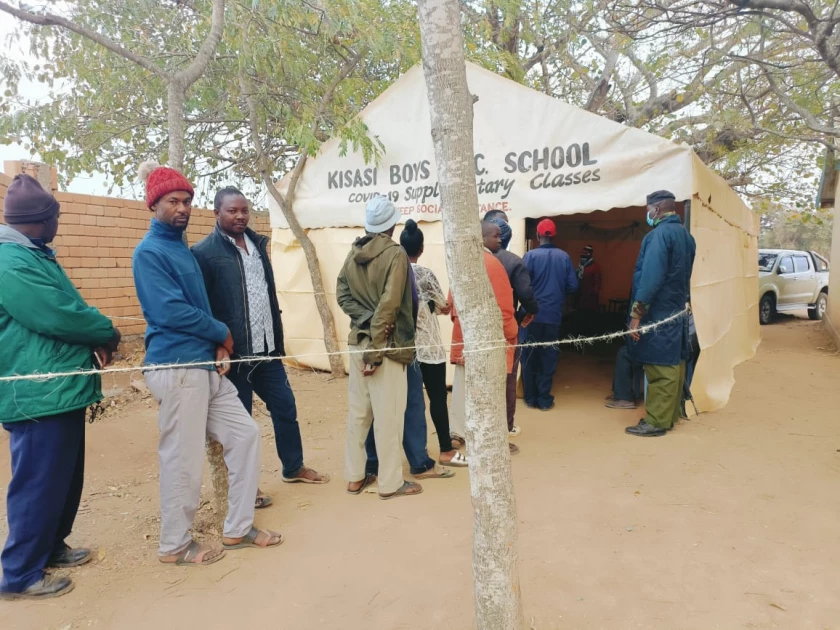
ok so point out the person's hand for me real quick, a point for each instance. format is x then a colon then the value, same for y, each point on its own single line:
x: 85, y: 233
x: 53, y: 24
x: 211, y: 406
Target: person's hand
x: 222, y: 360
x: 228, y: 344
x: 102, y: 356
x: 114, y: 342
x: 634, y: 329
x: 368, y: 369
x: 527, y: 320
x: 446, y: 309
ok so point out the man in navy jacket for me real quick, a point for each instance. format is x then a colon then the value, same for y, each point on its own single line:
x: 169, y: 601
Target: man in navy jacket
x: 661, y: 288
x: 552, y: 277
x: 240, y: 284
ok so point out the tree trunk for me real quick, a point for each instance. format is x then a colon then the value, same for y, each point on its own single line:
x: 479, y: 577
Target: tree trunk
x: 497, y: 593
x: 314, y: 266
x: 286, y: 207
x: 219, y: 479
x: 175, y: 102
x: 176, y: 98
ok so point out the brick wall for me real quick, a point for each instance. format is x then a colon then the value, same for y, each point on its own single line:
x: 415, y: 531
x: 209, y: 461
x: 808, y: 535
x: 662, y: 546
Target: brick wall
x: 96, y: 239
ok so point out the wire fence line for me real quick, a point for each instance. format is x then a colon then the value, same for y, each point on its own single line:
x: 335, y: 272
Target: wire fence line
x: 490, y: 346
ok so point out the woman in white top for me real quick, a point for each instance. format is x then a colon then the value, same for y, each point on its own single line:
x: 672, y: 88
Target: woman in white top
x: 431, y: 353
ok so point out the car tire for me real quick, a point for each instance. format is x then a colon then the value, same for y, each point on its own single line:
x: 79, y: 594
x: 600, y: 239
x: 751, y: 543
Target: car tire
x: 817, y: 311
x: 767, y: 309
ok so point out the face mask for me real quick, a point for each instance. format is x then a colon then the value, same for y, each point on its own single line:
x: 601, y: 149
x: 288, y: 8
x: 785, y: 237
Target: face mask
x: 650, y: 220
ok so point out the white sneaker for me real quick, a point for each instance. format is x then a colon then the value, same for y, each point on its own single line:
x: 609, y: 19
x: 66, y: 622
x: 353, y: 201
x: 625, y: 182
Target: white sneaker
x: 515, y: 431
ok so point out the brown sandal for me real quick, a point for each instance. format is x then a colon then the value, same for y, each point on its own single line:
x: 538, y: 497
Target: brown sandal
x: 301, y: 477
x: 250, y: 540
x: 368, y: 481
x: 404, y: 491
x: 189, y: 556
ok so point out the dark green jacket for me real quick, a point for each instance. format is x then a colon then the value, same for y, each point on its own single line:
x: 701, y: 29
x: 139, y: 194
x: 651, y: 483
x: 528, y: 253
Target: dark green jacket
x: 45, y: 326
x: 374, y: 289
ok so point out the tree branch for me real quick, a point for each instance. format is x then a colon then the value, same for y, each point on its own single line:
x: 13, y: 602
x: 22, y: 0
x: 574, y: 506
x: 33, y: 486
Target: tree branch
x: 50, y: 19
x: 807, y: 117
x: 191, y: 73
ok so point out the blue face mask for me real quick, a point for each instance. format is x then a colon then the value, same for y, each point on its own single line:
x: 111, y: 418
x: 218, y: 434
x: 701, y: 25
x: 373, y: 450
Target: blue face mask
x: 650, y: 220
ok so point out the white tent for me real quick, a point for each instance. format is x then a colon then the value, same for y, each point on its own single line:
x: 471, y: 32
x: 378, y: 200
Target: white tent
x: 536, y: 156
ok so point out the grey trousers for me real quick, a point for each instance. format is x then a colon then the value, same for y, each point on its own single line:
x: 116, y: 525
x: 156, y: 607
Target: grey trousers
x: 383, y: 394
x: 194, y: 404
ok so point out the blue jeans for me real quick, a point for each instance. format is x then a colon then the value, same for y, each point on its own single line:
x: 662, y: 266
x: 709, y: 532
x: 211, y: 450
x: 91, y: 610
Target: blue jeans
x: 539, y: 364
x: 415, y: 432
x: 269, y: 381
x: 48, y: 469
x: 628, y: 377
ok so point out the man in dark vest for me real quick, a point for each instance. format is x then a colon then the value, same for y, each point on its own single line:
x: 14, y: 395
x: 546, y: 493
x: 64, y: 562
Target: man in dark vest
x: 240, y: 283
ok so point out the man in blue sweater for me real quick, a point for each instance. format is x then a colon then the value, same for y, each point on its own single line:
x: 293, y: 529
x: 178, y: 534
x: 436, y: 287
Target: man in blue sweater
x: 552, y: 277
x: 197, y: 400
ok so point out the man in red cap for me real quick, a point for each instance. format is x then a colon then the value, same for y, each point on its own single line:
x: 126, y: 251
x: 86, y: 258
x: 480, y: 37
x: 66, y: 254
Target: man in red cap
x: 196, y: 401
x: 45, y: 326
x: 552, y: 277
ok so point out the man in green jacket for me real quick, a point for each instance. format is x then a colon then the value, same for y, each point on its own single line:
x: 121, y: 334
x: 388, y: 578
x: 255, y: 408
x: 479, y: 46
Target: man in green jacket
x: 375, y: 291
x: 45, y: 326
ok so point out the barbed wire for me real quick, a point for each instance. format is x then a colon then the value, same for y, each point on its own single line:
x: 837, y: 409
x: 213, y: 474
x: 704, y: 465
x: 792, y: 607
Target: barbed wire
x: 490, y: 346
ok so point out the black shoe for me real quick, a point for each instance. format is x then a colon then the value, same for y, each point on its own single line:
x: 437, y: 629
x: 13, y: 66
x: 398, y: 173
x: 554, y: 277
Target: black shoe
x: 69, y: 558
x: 549, y: 408
x: 49, y: 586
x: 643, y: 429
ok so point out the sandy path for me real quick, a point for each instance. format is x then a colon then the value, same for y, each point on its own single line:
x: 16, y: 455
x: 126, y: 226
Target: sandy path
x: 729, y: 522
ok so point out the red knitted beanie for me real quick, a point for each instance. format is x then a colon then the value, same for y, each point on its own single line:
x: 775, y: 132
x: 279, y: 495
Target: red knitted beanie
x: 162, y: 180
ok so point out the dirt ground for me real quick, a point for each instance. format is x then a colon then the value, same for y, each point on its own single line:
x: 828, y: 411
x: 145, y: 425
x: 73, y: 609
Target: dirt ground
x: 728, y: 522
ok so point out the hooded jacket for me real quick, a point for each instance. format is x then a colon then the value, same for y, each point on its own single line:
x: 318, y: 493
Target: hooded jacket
x: 45, y: 326
x: 374, y: 290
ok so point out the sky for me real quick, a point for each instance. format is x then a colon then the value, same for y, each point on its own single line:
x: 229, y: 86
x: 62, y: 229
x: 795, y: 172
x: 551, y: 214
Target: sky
x: 94, y: 184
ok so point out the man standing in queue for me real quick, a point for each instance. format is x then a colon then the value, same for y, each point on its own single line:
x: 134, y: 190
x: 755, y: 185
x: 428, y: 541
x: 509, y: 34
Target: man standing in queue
x: 240, y: 284
x: 374, y: 290
x: 45, y: 326
x: 195, y: 399
x: 552, y: 277
x: 524, y: 305
x: 661, y: 288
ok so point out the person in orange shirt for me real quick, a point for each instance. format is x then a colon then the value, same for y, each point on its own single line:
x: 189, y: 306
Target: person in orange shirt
x: 491, y: 234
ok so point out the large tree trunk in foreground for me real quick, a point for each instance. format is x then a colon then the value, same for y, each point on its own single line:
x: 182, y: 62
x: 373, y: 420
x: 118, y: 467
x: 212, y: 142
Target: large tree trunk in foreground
x: 497, y: 594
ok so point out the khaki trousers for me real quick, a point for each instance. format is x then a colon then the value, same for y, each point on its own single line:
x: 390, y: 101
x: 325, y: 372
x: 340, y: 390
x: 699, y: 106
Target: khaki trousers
x: 382, y: 395
x: 458, y: 406
x: 195, y: 403
x: 664, y: 394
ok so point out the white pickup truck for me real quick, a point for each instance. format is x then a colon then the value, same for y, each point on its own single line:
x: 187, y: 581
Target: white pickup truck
x: 790, y: 280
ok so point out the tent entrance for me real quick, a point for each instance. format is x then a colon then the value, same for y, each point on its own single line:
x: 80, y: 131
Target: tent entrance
x: 616, y: 238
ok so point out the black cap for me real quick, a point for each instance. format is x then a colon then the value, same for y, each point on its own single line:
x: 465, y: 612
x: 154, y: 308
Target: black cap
x: 660, y: 195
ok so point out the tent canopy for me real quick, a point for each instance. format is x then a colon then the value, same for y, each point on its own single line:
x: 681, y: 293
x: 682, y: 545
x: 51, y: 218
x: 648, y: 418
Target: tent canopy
x: 535, y: 156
